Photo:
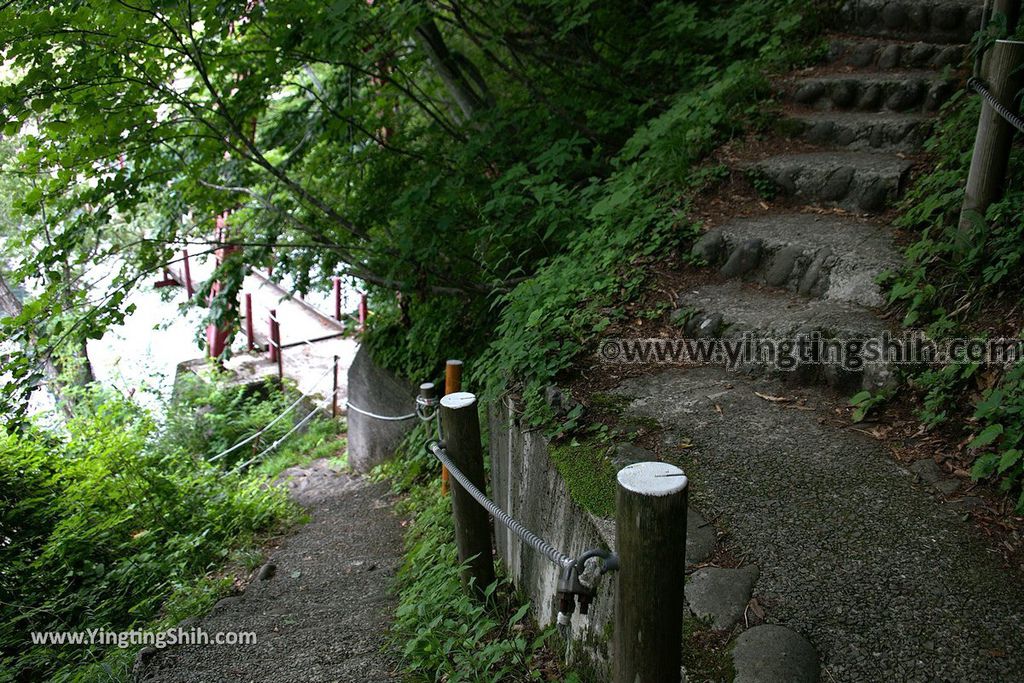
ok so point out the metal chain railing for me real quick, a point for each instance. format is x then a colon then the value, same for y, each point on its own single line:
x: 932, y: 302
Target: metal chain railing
x: 533, y: 540
x: 286, y: 411
x: 978, y: 86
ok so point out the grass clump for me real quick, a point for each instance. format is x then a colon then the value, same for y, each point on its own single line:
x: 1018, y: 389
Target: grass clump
x: 443, y: 635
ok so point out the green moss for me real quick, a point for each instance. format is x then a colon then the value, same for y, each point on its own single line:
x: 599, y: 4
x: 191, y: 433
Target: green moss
x: 588, y: 474
x: 609, y: 403
x: 706, y: 652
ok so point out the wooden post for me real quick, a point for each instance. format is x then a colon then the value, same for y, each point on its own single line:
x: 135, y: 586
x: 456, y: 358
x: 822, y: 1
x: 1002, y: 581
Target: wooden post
x: 1003, y: 74
x: 277, y: 345
x: 272, y: 346
x: 250, y: 337
x: 188, y: 273
x: 650, y: 525
x: 337, y: 298
x: 472, y: 526
x: 1009, y: 9
x: 364, y: 312
x: 452, y: 384
x: 334, y: 394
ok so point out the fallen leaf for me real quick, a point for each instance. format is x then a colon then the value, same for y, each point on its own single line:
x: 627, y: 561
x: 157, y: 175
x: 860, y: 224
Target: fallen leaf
x: 773, y: 399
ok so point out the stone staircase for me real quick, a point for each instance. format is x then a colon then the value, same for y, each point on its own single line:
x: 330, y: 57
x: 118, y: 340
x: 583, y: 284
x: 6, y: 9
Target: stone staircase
x: 874, y: 567
x: 852, y: 129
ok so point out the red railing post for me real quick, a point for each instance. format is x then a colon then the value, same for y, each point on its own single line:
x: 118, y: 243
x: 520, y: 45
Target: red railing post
x: 249, y: 336
x: 363, y: 312
x: 272, y: 346
x: 337, y: 298
x: 188, y: 273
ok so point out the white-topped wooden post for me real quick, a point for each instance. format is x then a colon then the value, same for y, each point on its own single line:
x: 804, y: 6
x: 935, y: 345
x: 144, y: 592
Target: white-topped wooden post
x: 461, y: 424
x: 650, y: 524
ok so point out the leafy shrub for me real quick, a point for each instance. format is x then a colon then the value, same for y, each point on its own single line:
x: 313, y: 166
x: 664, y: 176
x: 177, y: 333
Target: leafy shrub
x: 103, y: 523
x: 953, y: 278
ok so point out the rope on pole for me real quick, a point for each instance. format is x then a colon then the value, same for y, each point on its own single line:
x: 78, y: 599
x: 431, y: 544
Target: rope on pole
x: 978, y: 86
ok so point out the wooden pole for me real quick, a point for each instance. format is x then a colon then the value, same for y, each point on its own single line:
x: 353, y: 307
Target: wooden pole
x: 272, y: 346
x: 650, y: 525
x: 1003, y: 74
x: 334, y: 394
x: 472, y: 526
x: 277, y: 344
x: 188, y: 273
x: 1009, y: 9
x: 337, y: 298
x: 452, y: 384
x: 250, y: 337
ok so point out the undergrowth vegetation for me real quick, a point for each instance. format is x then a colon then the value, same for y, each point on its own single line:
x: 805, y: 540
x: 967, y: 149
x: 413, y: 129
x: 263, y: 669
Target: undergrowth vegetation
x: 444, y: 635
x: 601, y: 212
x: 966, y: 281
x: 117, y: 522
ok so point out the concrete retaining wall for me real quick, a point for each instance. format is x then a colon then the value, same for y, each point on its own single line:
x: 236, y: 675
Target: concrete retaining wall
x: 370, y: 441
x: 526, y: 483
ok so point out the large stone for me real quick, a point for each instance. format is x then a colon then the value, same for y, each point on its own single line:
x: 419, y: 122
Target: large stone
x: 782, y: 266
x: 774, y: 654
x: 709, y: 247
x: 373, y: 389
x: 744, y: 259
x: 890, y: 57
x: 700, y: 537
x: 625, y: 454
x: 720, y: 595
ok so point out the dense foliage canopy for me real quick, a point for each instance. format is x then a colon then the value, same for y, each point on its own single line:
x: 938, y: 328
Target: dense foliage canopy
x: 449, y: 152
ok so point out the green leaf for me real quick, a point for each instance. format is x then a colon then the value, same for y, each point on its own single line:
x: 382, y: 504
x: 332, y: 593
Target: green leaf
x: 987, y: 436
x: 1009, y: 459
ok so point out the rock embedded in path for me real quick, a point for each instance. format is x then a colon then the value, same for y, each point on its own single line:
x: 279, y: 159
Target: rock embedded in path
x: 625, y: 454
x: 774, y: 654
x: 720, y: 594
x: 709, y: 247
x: 744, y: 259
x: 700, y: 537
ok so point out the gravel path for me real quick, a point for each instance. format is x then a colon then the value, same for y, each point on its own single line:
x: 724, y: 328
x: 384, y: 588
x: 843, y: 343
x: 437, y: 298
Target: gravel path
x: 887, y: 582
x: 323, y: 612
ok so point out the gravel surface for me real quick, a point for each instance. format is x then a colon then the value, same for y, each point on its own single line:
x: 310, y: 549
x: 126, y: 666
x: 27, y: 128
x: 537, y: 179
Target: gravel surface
x: 322, y: 605
x: 886, y: 581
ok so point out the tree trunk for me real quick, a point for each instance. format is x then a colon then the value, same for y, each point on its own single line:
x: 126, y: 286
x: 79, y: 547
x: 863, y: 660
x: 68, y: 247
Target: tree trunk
x: 11, y: 307
x: 455, y: 71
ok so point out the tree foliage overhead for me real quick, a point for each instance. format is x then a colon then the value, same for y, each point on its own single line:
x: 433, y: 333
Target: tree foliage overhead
x: 436, y: 149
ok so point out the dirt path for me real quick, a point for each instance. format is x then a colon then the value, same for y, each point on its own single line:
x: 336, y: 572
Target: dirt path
x: 320, y: 608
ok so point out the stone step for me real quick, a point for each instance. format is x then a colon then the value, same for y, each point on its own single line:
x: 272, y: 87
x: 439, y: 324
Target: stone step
x: 901, y: 91
x: 730, y: 310
x: 892, y: 54
x: 857, y: 181
x: 859, y: 131
x: 827, y: 256
x: 935, y: 21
